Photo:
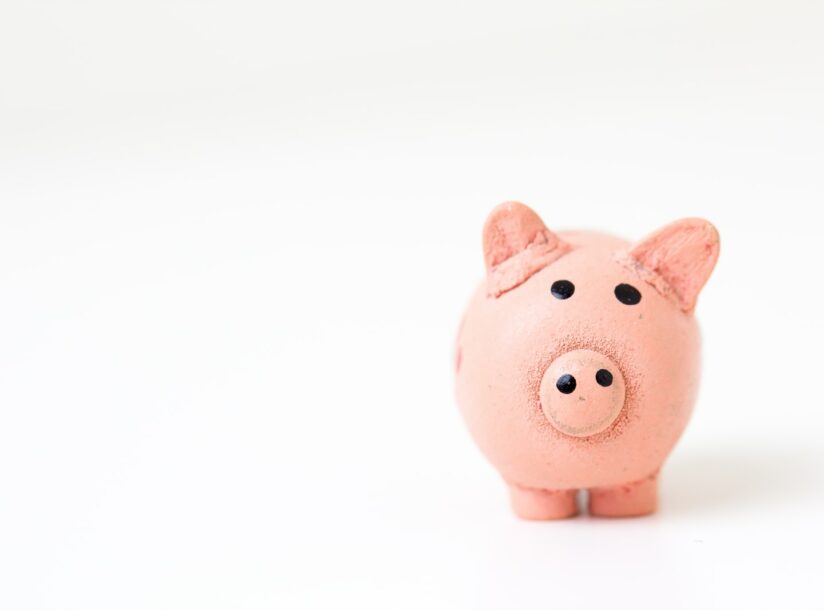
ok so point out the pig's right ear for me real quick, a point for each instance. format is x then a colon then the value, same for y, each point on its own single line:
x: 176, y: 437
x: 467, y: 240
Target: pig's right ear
x: 517, y: 244
x: 678, y: 259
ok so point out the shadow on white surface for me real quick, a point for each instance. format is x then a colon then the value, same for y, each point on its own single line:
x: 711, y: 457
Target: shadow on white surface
x: 738, y: 477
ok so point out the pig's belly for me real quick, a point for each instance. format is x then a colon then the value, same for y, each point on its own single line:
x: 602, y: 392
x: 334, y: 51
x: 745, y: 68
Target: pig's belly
x: 531, y: 453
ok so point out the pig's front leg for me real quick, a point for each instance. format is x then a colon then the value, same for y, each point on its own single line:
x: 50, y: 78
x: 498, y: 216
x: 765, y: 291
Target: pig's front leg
x: 626, y: 500
x: 543, y: 504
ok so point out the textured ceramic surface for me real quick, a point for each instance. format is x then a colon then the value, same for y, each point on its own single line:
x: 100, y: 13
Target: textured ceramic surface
x: 577, y: 360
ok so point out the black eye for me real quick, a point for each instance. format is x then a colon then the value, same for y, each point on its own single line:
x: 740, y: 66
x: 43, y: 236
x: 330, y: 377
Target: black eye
x: 627, y: 294
x: 562, y: 289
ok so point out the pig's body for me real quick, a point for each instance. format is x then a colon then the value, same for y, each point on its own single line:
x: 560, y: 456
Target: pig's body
x: 584, y: 391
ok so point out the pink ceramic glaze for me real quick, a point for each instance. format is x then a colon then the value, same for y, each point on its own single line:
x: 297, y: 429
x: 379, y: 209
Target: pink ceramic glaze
x: 577, y: 359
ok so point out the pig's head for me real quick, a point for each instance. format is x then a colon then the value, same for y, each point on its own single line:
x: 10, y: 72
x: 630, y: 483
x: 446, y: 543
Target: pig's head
x: 581, y: 338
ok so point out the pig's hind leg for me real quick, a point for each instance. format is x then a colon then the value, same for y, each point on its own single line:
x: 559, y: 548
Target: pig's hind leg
x: 543, y: 504
x: 627, y: 500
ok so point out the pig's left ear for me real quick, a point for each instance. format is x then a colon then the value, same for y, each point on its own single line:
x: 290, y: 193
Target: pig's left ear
x: 678, y: 259
x: 517, y: 244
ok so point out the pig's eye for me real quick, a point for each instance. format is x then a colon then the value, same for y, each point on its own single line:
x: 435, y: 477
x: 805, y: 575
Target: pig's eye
x: 562, y: 289
x: 627, y: 294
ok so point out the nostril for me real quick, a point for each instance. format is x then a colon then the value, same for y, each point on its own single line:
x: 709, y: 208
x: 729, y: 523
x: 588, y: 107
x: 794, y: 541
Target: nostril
x: 604, y: 378
x: 566, y: 384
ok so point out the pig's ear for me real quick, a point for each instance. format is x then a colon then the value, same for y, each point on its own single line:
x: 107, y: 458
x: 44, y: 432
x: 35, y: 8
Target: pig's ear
x: 678, y: 259
x: 517, y: 244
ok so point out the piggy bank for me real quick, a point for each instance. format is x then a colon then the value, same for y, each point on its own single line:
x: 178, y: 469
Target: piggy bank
x: 577, y: 360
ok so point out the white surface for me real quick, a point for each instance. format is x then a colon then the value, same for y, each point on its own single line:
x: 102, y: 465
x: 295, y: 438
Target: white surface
x: 235, y: 243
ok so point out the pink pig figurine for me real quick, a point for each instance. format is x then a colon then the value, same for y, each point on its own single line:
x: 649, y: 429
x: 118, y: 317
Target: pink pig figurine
x: 578, y: 359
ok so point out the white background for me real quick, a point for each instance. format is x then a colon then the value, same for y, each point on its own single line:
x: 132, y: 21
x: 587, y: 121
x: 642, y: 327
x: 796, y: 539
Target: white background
x: 236, y: 239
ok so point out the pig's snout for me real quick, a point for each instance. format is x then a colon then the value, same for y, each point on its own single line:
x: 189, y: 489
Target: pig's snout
x: 582, y: 392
